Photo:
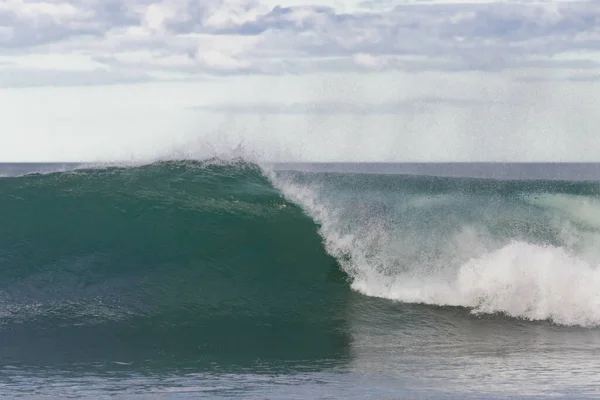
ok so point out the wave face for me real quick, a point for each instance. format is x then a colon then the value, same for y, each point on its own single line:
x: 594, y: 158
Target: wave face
x: 177, y: 260
x: 210, y: 262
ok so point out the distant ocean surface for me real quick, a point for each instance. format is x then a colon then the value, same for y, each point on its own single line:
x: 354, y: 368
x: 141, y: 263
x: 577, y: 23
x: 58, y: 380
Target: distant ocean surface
x: 228, y: 279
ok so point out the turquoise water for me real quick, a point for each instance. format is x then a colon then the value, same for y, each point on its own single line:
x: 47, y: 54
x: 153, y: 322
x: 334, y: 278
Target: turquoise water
x: 226, y: 279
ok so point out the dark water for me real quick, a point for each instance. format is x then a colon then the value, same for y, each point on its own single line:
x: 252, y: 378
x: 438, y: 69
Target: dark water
x: 211, y: 279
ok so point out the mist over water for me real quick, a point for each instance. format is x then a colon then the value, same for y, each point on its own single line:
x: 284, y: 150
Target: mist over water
x: 378, y: 117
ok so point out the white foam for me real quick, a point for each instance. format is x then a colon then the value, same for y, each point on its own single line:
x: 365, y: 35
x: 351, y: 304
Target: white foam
x: 520, y: 280
x: 533, y: 282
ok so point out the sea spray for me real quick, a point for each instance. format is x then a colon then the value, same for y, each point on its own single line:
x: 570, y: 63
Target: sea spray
x: 524, y: 249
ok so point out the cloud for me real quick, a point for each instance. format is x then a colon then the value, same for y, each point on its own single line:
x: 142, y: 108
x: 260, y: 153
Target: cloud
x: 410, y: 106
x: 203, y: 37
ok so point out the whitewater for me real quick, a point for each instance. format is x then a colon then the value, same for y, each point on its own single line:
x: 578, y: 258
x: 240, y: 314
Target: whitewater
x: 525, y: 249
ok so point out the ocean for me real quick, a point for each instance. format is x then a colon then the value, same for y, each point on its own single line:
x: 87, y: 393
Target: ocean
x: 230, y: 279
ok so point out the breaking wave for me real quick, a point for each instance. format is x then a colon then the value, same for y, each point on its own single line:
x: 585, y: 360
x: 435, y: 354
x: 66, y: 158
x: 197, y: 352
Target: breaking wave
x: 232, y: 258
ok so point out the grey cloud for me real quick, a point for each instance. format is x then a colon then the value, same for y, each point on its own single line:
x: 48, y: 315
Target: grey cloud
x: 210, y: 36
x: 582, y: 78
x: 38, y: 28
x: 22, y: 78
x: 407, y: 106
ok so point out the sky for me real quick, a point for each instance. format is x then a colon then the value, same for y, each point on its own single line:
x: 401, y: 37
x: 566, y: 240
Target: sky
x: 299, y: 80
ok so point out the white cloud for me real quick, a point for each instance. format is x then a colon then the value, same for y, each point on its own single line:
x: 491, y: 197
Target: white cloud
x: 155, y: 15
x: 368, y: 61
x: 216, y: 60
x: 230, y: 14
